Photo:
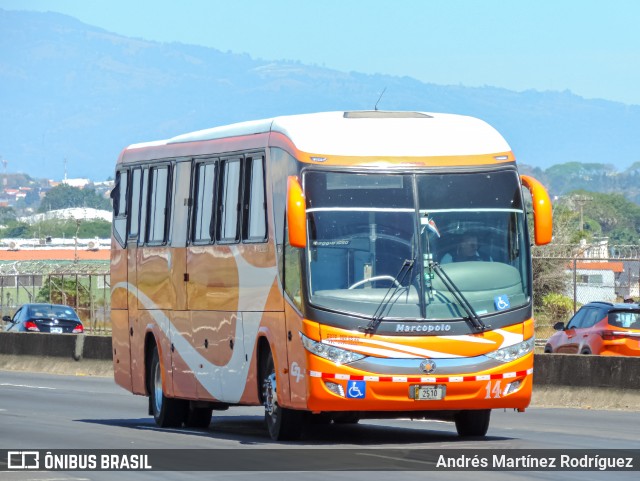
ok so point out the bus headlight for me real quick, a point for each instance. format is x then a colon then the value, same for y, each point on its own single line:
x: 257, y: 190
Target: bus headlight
x: 511, y: 353
x: 331, y: 353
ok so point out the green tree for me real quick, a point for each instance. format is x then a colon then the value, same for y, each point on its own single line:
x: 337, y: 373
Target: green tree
x: 67, y: 291
x: 61, y: 197
x: 69, y: 228
x: 16, y: 230
x: 548, y: 271
x: 64, y: 196
x: 95, y: 228
x: 7, y: 214
x: 619, y: 218
x: 94, y: 200
x: 559, y: 307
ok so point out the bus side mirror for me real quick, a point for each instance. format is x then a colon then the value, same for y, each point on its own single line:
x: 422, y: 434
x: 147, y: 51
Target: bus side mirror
x: 296, y: 213
x: 542, y: 214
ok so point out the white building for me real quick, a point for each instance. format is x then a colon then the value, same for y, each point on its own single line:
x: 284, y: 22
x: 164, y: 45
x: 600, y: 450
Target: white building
x: 595, y: 281
x: 76, y: 213
x: 79, y: 183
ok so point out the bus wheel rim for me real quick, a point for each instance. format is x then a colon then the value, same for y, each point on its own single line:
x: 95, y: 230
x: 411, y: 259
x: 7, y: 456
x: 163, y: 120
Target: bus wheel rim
x: 269, y: 395
x: 157, y: 388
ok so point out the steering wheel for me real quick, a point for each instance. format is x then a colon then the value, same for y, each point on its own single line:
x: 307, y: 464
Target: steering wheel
x: 376, y: 278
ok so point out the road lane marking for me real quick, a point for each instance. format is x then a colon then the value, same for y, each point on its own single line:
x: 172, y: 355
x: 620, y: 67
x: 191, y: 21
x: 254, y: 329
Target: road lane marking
x: 27, y: 386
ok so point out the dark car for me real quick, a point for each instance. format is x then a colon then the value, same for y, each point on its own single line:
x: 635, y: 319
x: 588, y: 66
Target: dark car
x: 599, y: 328
x: 53, y: 318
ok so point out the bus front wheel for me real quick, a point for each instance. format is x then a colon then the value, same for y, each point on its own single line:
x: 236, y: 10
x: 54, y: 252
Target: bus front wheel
x: 472, y: 423
x: 282, y: 423
x: 167, y: 412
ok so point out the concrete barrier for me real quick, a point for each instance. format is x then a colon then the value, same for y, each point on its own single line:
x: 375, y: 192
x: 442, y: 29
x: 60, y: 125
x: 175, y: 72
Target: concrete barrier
x: 586, y: 382
x: 78, y: 354
x: 587, y: 371
x: 54, y: 345
x: 559, y: 380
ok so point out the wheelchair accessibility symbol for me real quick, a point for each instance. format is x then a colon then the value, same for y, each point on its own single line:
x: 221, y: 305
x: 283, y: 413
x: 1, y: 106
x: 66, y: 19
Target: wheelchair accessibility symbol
x: 501, y: 302
x: 356, y: 389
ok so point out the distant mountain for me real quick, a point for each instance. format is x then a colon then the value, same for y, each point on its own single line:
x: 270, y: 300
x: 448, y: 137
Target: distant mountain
x: 76, y: 92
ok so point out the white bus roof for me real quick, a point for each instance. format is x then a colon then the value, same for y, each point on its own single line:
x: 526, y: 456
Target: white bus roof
x: 367, y: 133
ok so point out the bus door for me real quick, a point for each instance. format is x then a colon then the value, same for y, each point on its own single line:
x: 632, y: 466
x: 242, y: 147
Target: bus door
x: 179, y: 231
x: 135, y: 330
x: 180, y: 335
x: 119, y: 282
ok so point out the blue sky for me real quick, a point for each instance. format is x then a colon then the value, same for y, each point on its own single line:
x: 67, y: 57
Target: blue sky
x: 591, y: 48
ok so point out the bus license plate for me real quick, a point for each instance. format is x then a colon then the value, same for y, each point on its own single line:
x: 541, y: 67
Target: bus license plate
x: 429, y: 393
x: 56, y: 330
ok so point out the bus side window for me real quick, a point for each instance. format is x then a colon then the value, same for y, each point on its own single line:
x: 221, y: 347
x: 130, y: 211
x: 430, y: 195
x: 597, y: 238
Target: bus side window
x: 119, y: 197
x: 158, y: 202
x: 204, y: 201
x: 134, y: 204
x: 229, y: 201
x: 255, y: 202
x: 144, y: 207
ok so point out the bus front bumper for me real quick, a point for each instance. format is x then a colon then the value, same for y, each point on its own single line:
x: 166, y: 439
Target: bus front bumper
x: 341, y: 388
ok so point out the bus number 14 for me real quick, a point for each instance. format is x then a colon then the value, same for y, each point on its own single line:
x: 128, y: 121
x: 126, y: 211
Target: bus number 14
x: 493, y: 392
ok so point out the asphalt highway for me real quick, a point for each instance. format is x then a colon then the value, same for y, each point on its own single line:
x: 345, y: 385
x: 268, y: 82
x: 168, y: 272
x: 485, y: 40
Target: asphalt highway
x: 54, y: 412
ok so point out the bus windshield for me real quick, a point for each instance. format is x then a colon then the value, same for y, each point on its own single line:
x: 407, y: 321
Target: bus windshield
x: 376, y: 242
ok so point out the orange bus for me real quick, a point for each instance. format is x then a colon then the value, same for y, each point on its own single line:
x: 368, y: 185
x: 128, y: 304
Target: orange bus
x: 331, y: 267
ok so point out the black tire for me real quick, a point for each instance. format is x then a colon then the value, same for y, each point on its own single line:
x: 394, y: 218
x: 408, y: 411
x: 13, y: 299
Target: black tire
x: 472, y: 423
x: 198, y: 417
x: 586, y: 351
x: 547, y: 349
x: 282, y: 423
x: 167, y: 412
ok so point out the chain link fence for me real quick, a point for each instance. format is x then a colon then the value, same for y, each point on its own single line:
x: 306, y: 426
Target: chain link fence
x: 86, y: 288
x: 565, y: 277
x: 568, y: 276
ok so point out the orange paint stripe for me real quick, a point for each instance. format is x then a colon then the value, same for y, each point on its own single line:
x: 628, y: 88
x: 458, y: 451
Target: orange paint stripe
x: 279, y: 140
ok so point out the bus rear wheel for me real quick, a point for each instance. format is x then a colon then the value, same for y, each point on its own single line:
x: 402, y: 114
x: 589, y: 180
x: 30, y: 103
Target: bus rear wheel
x: 282, y: 423
x: 472, y: 423
x: 198, y: 417
x: 167, y: 412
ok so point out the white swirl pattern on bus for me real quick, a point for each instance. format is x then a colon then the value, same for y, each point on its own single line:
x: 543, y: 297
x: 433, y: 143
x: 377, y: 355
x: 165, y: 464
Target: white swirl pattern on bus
x: 234, y: 374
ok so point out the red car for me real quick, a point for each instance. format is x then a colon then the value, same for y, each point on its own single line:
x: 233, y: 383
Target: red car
x: 599, y: 328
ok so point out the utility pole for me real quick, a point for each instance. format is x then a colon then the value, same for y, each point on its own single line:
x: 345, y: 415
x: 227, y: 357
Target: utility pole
x: 4, y: 164
x: 581, y: 200
x: 75, y: 254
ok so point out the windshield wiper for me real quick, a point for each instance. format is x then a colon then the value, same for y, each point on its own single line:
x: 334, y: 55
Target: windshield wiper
x: 474, y: 319
x: 378, y: 315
